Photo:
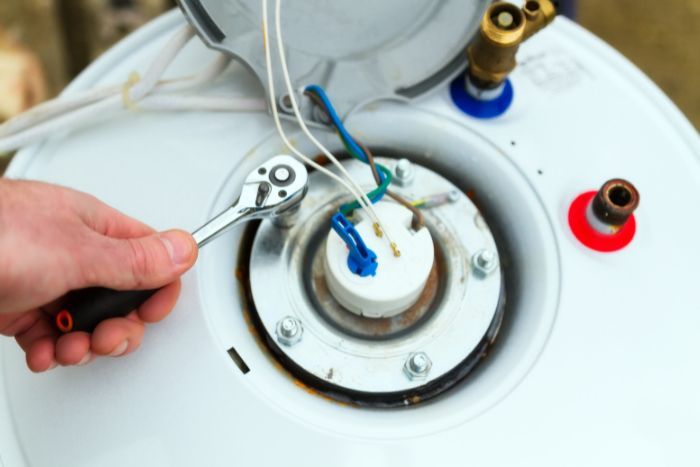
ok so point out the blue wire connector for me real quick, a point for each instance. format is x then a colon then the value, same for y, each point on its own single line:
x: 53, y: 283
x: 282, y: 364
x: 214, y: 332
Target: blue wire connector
x: 361, y: 261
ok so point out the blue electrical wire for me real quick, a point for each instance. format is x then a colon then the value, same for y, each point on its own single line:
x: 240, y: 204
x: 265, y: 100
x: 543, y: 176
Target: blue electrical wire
x: 344, y: 134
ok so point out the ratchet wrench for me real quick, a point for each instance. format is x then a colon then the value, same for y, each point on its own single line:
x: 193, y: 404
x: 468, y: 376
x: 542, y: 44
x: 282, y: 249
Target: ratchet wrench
x: 273, y: 190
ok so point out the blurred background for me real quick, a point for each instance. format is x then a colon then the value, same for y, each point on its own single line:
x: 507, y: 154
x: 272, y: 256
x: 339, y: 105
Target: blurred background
x: 45, y: 43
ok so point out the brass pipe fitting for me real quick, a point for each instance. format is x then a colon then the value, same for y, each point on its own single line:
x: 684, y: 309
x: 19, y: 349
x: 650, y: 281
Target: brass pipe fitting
x: 503, y: 28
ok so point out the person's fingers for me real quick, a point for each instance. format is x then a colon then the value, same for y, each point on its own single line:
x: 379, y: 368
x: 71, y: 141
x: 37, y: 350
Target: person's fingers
x: 108, y: 221
x: 73, y: 349
x: 53, y: 307
x: 36, y: 336
x: 159, y: 305
x: 40, y: 356
x: 117, y: 336
x: 139, y: 263
x: 12, y: 324
x: 40, y: 329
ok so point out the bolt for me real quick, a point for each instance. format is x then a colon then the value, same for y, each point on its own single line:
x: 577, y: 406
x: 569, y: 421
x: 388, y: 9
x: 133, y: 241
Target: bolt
x: 403, y: 172
x: 485, y: 262
x: 453, y: 196
x: 417, y: 366
x: 282, y: 174
x: 289, y: 331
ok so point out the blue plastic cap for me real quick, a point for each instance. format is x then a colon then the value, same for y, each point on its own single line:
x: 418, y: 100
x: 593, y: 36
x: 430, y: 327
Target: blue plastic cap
x: 361, y: 260
x: 476, y: 108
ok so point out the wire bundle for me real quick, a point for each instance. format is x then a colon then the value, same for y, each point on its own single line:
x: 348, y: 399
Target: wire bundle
x: 319, y: 97
x: 359, y: 151
x: 149, y: 92
x: 361, y: 198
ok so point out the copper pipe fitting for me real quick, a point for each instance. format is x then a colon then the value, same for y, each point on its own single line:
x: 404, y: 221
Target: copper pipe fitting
x: 615, y: 202
x: 503, y: 28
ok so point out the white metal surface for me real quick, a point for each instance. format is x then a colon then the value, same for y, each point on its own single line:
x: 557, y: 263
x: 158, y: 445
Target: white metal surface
x: 598, y: 367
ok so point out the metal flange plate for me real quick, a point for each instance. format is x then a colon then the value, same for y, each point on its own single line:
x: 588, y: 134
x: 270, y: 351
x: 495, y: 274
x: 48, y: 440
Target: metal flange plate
x: 464, y: 313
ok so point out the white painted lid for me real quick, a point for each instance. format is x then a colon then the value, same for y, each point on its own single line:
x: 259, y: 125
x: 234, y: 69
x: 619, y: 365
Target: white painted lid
x: 358, y: 50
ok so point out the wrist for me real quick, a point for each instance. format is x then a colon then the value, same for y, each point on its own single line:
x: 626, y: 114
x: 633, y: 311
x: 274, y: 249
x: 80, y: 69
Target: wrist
x: 4, y: 182
x: 4, y: 254
x: 3, y: 197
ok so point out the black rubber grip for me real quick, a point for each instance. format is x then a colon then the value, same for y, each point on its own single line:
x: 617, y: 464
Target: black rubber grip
x: 86, y: 308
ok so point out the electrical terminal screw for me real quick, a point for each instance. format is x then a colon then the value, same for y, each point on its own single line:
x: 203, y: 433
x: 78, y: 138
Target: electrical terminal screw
x: 436, y: 200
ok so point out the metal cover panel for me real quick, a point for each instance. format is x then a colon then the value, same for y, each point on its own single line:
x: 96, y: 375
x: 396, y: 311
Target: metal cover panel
x: 359, y: 50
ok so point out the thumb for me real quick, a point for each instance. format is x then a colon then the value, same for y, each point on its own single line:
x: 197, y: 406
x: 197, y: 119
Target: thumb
x: 143, y: 263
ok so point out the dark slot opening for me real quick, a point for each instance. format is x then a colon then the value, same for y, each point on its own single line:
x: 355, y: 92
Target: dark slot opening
x: 238, y: 360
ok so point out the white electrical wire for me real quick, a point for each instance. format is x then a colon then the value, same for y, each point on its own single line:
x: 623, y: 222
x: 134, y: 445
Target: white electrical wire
x: 364, y: 200
x: 50, y: 109
x: 162, y: 62
x: 59, y: 124
x: 208, y: 74
x: 149, y: 93
x: 65, y: 104
x: 275, y: 113
x: 211, y: 103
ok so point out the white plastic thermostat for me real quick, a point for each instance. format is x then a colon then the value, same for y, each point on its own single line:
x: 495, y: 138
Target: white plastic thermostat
x: 398, y: 282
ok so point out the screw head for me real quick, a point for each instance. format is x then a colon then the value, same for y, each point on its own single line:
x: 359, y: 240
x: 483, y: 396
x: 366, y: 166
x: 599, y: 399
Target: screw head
x: 485, y: 261
x: 285, y: 103
x: 417, y: 366
x: 289, y: 331
x: 403, y: 172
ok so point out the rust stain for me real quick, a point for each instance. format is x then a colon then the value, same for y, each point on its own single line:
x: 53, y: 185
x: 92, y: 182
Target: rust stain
x: 377, y: 327
x: 426, y: 299
x: 241, y: 274
x: 321, y: 159
x: 314, y: 392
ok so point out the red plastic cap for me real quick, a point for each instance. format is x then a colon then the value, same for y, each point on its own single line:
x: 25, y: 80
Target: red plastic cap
x: 590, y: 237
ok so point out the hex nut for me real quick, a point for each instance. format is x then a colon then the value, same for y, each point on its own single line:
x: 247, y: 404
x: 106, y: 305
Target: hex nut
x: 289, y: 331
x: 417, y: 366
x: 485, y: 262
x: 403, y: 172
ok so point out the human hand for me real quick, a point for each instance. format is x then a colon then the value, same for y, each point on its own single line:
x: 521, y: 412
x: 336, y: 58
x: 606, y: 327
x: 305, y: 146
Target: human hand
x: 54, y: 240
